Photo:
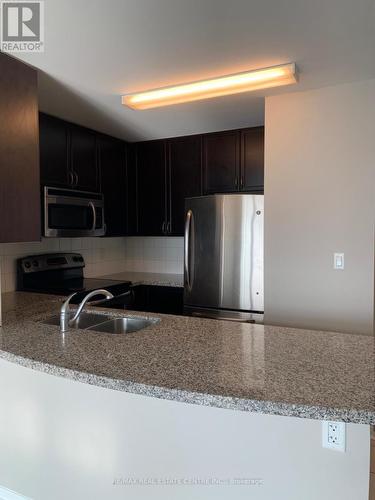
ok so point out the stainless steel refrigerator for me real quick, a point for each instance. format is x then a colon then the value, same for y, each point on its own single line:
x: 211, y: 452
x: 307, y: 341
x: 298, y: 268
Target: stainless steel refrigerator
x: 223, y: 257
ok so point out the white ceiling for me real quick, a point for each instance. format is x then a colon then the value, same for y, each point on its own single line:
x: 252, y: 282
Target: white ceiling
x: 97, y: 50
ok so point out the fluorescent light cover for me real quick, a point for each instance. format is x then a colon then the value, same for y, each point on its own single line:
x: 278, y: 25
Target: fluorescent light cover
x: 231, y: 84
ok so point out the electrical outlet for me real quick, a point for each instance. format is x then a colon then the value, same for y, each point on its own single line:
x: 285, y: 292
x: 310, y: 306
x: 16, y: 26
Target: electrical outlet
x: 334, y: 435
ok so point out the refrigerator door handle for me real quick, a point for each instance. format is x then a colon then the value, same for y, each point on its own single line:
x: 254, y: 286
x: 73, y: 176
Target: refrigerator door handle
x: 189, y: 217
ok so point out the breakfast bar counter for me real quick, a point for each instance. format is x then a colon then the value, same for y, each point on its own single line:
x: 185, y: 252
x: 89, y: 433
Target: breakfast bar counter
x: 255, y: 368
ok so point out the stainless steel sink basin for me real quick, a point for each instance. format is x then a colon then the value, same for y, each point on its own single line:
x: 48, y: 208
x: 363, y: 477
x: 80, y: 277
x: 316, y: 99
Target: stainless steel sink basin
x: 84, y: 321
x: 105, y: 324
x: 124, y: 325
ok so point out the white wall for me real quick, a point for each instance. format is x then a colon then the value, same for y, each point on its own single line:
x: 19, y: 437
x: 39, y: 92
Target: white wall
x: 320, y: 199
x: 61, y: 439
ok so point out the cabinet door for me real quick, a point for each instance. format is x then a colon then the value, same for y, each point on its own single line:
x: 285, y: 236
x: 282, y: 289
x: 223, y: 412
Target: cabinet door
x: 221, y: 161
x: 252, y: 161
x: 151, y: 188
x: 112, y: 162
x: 53, y: 147
x: 165, y: 300
x: 84, y: 158
x: 185, y: 178
x: 131, y: 186
x: 19, y: 159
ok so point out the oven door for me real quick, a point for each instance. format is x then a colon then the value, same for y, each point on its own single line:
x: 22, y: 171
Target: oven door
x: 70, y: 214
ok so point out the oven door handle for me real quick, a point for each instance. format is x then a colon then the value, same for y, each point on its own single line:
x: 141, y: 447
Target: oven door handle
x: 93, y: 215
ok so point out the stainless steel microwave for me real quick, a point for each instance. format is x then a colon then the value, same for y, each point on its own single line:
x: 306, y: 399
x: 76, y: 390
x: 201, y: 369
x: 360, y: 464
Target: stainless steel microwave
x: 69, y: 213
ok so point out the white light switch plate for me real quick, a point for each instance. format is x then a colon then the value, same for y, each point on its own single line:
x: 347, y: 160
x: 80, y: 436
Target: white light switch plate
x: 338, y: 261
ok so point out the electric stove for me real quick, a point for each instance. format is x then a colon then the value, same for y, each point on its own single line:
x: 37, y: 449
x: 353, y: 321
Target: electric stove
x: 62, y: 274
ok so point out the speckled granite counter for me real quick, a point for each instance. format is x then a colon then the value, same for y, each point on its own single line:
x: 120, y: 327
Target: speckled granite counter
x: 156, y: 279
x: 256, y: 368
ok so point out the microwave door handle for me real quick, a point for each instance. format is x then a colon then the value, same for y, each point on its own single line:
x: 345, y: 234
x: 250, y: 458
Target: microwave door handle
x: 93, y: 215
x: 187, y: 247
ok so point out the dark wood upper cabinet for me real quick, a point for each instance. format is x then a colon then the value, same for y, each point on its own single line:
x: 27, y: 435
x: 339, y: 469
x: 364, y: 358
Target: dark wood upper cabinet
x: 221, y: 159
x: 252, y: 159
x: 68, y: 155
x: 112, y: 163
x: 19, y: 152
x: 83, y: 158
x: 185, y: 178
x: 131, y: 190
x: 151, y: 188
x: 54, y: 152
x: 145, y: 184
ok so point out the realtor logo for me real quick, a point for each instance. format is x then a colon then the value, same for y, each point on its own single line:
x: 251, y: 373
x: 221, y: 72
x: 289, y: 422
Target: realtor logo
x: 22, y: 26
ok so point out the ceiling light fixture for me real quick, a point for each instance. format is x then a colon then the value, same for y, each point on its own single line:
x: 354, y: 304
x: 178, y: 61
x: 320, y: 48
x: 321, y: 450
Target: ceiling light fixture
x: 274, y: 76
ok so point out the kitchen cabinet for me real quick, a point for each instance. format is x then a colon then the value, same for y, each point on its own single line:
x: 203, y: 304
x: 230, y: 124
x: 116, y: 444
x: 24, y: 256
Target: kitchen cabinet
x: 168, y: 171
x: 83, y: 158
x: 151, y: 188
x: 221, y: 161
x: 68, y: 155
x: 158, y: 299
x: 185, y: 178
x: 165, y: 299
x: 252, y: 159
x: 112, y: 165
x: 131, y: 190
x: 234, y: 161
x: 19, y: 152
x: 54, y: 151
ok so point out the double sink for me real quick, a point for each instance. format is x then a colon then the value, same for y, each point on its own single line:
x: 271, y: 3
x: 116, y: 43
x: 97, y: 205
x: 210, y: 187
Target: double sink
x: 105, y: 324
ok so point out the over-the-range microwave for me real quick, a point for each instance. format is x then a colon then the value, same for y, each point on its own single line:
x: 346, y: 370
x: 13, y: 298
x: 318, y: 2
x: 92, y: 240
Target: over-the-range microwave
x: 69, y: 213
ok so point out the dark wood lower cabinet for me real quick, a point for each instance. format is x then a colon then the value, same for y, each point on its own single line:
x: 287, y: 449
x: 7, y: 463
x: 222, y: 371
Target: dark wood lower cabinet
x: 19, y: 152
x: 158, y: 299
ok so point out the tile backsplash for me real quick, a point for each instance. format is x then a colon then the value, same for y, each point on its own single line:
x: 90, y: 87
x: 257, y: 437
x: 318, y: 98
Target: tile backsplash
x: 102, y: 255
x: 154, y: 255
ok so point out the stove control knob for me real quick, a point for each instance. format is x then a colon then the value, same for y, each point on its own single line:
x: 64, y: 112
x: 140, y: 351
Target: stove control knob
x: 35, y: 263
x: 27, y: 264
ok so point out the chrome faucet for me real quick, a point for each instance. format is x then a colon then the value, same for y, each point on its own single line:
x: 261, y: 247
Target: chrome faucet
x: 65, y: 321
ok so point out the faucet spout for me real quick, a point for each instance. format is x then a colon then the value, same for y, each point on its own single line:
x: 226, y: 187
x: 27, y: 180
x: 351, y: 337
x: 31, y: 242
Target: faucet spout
x: 65, y: 320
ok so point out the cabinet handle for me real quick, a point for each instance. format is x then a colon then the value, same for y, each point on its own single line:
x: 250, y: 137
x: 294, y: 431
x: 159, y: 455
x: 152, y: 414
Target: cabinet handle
x: 169, y: 227
x: 241, y: 182
x: 71, y: 178
x: 236, y: 181
x: 163, y: 228
x: 76, y: 178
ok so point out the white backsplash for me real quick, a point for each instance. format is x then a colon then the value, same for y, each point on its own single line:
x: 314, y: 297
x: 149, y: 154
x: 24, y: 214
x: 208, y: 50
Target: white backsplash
x: 102, y: 255
x: 154, y: 255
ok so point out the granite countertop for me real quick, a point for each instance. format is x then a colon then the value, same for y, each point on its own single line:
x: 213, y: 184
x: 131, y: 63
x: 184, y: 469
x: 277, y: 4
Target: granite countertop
x: 156, y: 279
x: 256, y: 368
